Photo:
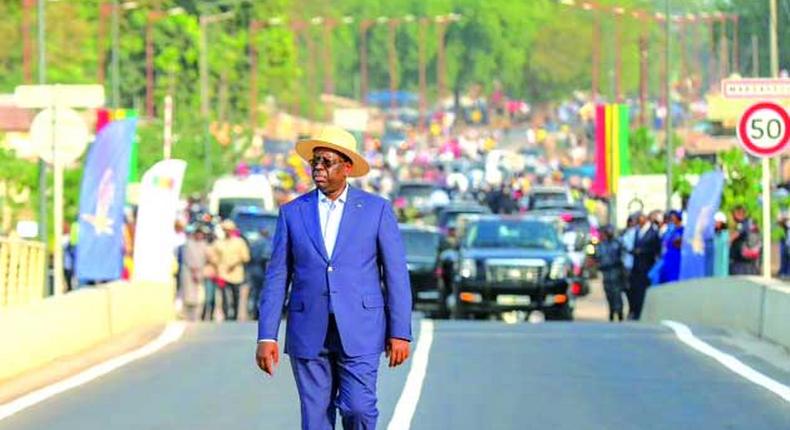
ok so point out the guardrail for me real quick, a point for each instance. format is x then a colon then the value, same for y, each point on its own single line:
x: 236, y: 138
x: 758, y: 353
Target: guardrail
x: 749, y: 304
x: 34, y: 334
x: 21, y: 272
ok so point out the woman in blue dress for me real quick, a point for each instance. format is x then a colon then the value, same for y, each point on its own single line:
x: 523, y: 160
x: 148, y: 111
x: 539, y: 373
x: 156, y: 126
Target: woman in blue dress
x: 671, y: 246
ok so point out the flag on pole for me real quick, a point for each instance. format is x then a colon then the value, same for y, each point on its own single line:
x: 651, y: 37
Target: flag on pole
x: 600, y: 184
x: 699, y: 231
x: 154, y: 239
x: 102, y: 198
x: 612, y: 150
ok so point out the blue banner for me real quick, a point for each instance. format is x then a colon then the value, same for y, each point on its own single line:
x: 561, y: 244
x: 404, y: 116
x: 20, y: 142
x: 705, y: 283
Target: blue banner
x: 102, y: 198
x: 699, y: 230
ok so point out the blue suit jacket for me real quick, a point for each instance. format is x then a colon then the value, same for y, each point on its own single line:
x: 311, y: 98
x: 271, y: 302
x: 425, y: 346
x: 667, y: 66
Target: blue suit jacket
x: 366, y: 279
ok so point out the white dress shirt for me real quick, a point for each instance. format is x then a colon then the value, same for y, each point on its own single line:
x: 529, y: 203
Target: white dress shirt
x: 329, y: 215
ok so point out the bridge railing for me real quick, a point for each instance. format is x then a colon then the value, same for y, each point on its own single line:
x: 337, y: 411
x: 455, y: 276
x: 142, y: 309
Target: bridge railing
x: 21, y: 271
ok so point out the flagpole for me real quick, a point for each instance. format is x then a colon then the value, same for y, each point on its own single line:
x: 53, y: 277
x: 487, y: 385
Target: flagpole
x: 668, y: 107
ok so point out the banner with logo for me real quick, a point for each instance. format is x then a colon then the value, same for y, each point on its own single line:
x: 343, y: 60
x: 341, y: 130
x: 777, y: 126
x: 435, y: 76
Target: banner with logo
x: 154, y: 240
x: 102, y: 197
x: 697, y: 252
x: 612, y: 149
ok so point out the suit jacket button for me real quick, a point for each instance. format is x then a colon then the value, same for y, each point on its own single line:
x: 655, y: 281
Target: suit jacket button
x: 330, y: 269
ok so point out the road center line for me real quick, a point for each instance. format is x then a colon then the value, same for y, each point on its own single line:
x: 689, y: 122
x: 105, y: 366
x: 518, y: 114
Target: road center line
x: 407, y: 403
x: 685, y: 335
x: 170, y: 334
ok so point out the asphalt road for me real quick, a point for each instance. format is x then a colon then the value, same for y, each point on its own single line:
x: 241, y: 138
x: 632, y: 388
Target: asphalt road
x: 480, y: 375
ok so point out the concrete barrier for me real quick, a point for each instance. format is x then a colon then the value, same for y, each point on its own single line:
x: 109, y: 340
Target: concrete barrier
x: 776, y: 314
x: 744, y: 303
x: 34, y: 334
x: 139, y: 305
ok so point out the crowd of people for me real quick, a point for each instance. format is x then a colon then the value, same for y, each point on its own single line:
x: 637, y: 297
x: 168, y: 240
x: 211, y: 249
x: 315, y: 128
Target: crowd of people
x: 217, y: 261
x: 648, y: 252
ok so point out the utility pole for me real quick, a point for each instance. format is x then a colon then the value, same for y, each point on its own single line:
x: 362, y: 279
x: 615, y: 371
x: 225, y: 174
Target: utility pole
x: 596, y: 57
x: 441, y: 27
x: 104, y: 13
x: 682, y: 48
x: 116, y: 49
x: 27, y: 43
x: 203, y: 68
x: 393, y: 61
x: 42, y: 165
x: 712, y: 66
x: 667, y: 106
x: 736, y: 67
x: 643, y: 71
x: 766, y: 182
x: 329, y: 78
x: 149, y: 65
x: 755, y: 57
x: 724, y: 57
x: 618, y: 56
x: 254, y: 26
x: 422, y: 78
x: 364, y: 25
x: 774, y: 41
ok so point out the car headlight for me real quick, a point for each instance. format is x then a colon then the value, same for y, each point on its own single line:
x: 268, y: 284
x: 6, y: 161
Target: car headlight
x: 560, y: 268
x: 468, y: 268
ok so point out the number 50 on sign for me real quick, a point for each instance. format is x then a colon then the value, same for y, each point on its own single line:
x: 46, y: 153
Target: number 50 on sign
x: 764, y: 130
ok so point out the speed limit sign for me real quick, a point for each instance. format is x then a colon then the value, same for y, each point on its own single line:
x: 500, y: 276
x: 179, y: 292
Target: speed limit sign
x: 764, y: 129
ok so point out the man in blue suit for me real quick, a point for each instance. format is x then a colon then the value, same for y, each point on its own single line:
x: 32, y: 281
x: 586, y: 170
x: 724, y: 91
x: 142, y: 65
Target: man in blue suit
x: 340, y: 250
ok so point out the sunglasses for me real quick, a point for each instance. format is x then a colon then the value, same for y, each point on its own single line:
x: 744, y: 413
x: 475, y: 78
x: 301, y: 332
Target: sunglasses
x: 326, y: 162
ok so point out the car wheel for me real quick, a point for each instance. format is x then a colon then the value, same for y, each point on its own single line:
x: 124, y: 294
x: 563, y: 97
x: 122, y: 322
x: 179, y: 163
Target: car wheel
x: 564, y: 313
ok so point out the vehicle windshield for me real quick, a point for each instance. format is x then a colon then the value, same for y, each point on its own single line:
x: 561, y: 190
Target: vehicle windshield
x: 251, y: 225
x: 549, y: 199
x: 512, y: 234
x: 420, y: 243
x: 412, y: 191
x: 580, y: 224
x: 450, y: 218
x: 227, y: 205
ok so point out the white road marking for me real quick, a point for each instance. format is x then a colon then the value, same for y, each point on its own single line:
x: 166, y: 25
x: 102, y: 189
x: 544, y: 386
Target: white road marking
x: 407, y: 403
x: 737, y: 366
x: 170, y: 334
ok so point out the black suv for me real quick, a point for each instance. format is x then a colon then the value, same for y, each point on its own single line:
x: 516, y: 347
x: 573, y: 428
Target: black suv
x: 422, y: 256
x: 512, y: 264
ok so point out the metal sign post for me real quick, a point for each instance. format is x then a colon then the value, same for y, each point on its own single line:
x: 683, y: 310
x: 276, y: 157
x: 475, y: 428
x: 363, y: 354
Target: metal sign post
x: 764, y: 131
x: 60, y: 136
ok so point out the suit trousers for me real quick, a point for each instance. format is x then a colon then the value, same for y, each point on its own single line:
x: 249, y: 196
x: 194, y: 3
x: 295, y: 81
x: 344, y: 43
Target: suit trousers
x: 335, y: 381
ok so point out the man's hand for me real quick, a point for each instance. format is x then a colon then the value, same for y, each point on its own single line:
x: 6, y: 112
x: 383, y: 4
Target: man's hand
x: 397, y: 351
x: 268, y: 356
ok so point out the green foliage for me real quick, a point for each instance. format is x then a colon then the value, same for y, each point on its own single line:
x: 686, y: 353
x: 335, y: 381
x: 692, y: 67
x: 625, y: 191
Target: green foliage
x: 205, y: 158
x: 742, y: 179
x: 689, y: 167
x: 646, y: 156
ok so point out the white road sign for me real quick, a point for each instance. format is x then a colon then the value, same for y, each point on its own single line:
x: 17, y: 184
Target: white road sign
x: 43, y: 96
x: 764, y: 129
x: 68, y: 140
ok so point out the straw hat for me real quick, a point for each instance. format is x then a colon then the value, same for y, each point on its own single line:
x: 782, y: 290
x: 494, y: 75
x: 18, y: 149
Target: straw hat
x: 228, y: 225
x: 339, y: 140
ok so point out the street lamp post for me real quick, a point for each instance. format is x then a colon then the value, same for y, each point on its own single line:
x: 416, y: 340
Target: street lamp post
x: 116, y: 59
x: 27, y: 43
x: 364, y: 25
x: 42, y: 165
x: 104, y: 13
x: 152, y: 17
x: 422, y: 77
x: 441, y: 65
x: 393, y: 61
x: 668, y: 102
x: 329, y: 72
